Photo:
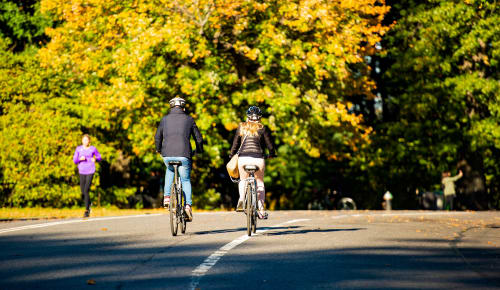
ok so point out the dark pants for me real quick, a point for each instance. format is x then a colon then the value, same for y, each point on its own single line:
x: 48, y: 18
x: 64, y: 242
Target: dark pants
x: 448, y: 201
x: 85, y: 181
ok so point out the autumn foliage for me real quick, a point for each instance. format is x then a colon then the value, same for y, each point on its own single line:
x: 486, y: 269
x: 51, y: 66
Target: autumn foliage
x: 361, y: 97
x: 110, y: 67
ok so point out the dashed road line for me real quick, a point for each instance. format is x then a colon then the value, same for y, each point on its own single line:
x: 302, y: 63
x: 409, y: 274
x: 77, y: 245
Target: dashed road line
x: 209, y: 262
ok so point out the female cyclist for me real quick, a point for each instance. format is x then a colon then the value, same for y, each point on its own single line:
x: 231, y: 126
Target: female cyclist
x: 255, y: 137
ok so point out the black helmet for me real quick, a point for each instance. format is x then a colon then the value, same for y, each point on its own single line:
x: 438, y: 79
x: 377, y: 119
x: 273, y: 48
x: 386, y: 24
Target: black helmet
x: 177, y: 102
x: 254, y: 113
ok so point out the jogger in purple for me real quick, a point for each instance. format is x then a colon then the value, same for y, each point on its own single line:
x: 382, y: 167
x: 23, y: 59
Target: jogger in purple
x: 85, y: 157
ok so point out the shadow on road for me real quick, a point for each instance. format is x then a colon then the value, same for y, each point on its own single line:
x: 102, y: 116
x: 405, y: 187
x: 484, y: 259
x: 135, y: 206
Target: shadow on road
x: 277, y: 231
x: 56, y: 261
x: 273, y: 232
x: 370, y: 267
x: 243, y: 230
x: 222, y: 231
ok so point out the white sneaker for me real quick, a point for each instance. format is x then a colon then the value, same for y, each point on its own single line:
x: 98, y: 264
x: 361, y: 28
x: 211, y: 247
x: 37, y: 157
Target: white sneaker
x: 262, y: 211
x: 239, y: 207
x: 166, y: 201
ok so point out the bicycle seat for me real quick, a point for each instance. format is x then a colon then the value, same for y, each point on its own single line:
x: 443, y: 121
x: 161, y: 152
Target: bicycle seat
x: 251, y: 168
x: 175, y: 163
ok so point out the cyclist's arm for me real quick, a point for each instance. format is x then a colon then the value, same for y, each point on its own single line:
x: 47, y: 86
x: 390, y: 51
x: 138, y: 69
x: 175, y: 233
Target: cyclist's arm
x: 269, y: 140
x: 236, y: 143
x: 197, y: 138
x: 159, y: 137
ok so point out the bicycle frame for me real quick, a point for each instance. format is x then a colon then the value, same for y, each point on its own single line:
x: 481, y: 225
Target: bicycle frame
x: 252, y: 182
x: 251, y: 209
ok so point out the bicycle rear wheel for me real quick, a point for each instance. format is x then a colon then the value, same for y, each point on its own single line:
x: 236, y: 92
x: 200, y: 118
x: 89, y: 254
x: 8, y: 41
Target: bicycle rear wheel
x: 249, y: 209
x: 254, y: 223
x: 254, y: 208
x: 182, y: 215
x: 173, y: 211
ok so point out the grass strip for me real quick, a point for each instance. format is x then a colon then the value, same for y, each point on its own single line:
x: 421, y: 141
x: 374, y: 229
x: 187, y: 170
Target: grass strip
x: 11, y: 214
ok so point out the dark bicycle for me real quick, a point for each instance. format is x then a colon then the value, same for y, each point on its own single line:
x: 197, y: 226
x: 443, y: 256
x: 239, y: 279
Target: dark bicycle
x: 333, y: 199
x: 250, y: 201
x: 342, y: 201
x: 177, y: 202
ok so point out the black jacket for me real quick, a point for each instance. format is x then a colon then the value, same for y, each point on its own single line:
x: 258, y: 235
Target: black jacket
x: 254, y: 145
x: 173, y: 133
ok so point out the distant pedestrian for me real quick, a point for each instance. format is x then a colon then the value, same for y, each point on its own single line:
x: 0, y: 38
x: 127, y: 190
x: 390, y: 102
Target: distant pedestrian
x: 85, y: 157
x: 449, y: 188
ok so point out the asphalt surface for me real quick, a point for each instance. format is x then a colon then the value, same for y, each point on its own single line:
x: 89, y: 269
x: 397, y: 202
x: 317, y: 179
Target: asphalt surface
x: 292, y: 250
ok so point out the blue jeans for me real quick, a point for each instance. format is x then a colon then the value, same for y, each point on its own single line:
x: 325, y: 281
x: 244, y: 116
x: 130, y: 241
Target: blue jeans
x: 185, y: 174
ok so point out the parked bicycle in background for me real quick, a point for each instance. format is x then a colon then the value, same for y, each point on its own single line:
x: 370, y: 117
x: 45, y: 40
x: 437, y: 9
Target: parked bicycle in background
x: 333, y: 199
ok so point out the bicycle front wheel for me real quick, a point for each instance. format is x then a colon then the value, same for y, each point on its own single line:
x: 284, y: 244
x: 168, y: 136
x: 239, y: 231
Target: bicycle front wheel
x: 249, y: 209
x: 173, y: 211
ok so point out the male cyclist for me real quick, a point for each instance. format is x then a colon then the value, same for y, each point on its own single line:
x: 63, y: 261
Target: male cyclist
x: 172, y: 141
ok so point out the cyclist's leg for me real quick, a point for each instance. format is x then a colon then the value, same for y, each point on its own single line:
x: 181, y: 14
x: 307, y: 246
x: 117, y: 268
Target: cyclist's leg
x: 185, y: 174
x: 259, y: 176
x: 242, y: 161
x: 169, y: 176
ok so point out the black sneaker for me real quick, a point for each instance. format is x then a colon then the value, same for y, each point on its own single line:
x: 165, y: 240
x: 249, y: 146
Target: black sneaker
x: 239, y: 207
x: 262, y: 215
x: 86, y: 214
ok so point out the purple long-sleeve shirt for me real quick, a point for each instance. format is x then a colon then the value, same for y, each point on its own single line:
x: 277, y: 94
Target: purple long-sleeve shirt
x: 86, y: 166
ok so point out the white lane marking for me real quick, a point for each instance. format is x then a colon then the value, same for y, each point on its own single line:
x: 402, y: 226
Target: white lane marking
x: 36, y: 226
x: 396, y: 214
x: 292, y: 222
x: 424, y: 213
x: 209, y: 262
x: 344, y: 215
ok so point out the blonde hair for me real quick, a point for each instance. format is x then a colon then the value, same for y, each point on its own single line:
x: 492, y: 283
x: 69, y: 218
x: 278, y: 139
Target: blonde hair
x: 250, y: 128
x: 86, y: 136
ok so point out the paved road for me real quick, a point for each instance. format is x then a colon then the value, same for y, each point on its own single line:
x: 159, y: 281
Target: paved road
x: 293, y: 250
